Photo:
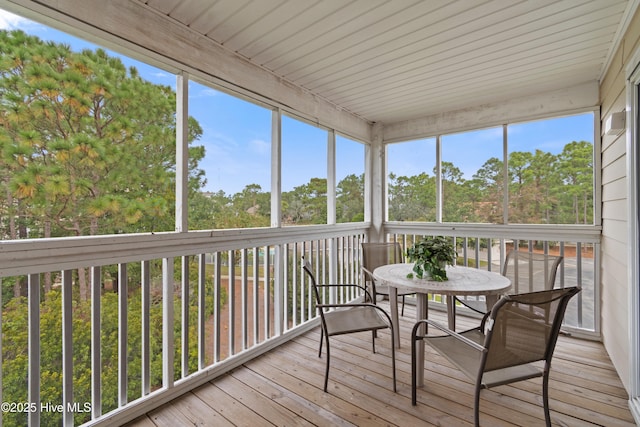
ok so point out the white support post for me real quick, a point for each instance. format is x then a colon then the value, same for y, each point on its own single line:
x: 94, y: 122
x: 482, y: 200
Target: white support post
x: 333, y: 267
x: 276, y: 168
x: 368, y: 185
x: 202, y: 316
x: 185, y: 316
x: 33, y: 375
x: 279, y: 293
x: 378, y: 205
x: 331, y: 209
x: 276, y: 221
x: 308, y: 254
x: 297, y: 300
x: 182, y: 151
x: 231, y: 302
x: 439, y: 198
x: 331, y: 177
x: 267, y: 293
x: 217, y: 300
x: 168, y: 340
x: 123, y: 326
x: 67, y: 348
x: 146, y: 323
x: 96, y: 344
x: 244, y: 282
x: 256, y: 293
x: 505, y: 174
x: 286, y: 279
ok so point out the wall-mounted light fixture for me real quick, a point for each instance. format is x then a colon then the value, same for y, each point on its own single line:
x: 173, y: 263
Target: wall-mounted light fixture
x: 614, y: 124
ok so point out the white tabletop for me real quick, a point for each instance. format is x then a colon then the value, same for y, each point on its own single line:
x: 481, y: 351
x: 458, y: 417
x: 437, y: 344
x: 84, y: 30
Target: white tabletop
x: 462, y: 280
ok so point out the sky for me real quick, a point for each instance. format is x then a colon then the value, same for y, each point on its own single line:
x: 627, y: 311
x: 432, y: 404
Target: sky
x: 238, y: 151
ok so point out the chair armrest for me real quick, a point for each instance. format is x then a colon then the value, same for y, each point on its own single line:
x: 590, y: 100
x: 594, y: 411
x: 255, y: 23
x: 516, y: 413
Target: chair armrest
x: 335, y: 285
x: 465, y: 340
x: 369, y: 276
x: 350, y: 285
x: 368, y: 273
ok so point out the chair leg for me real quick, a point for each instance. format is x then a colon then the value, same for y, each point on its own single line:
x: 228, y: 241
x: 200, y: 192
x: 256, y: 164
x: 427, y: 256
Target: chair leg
x: 322, y: 339
x: 402, y: 311
x: 373, y: 340
x: 545, y: 397
x: 476, y: 406
x: 326, y: 372
x: 413, y: 370
x: 375, y: 302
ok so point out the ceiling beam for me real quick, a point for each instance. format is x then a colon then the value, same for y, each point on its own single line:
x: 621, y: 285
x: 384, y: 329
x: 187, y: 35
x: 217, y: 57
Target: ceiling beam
x: 566, y: 101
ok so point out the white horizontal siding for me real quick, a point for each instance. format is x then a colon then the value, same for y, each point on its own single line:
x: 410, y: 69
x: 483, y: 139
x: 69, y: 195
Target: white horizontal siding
x: 615, y: 231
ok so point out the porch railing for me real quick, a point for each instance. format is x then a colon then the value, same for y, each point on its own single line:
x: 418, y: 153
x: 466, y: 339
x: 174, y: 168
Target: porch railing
x: 109, y: 327
x: 486, y: 246
x: 126, y: 323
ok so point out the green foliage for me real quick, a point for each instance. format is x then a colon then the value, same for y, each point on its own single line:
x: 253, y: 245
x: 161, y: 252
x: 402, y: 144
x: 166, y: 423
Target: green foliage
x: 431, y: 255
x: 15, y: 349
x: 543, y: 188
x: 86, y: 145
x: 350, y: 199
x: 412, y: 198
x: 306, y: 204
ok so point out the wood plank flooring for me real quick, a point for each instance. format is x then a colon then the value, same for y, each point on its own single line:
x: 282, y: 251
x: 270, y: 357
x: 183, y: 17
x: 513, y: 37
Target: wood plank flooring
x: 284, y: 388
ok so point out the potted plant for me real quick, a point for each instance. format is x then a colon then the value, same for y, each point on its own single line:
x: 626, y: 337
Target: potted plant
x: 431, y: 256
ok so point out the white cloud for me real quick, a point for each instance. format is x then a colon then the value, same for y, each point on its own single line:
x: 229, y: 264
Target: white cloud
x: 222, y: 142
x: 209, y: 92
x: 9, y: 21
x: 259, y: 146
x: 198, y: 91
x: 161, y: 75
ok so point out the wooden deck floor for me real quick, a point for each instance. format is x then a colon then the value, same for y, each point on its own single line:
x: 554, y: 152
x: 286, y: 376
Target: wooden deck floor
x: 284, y: 388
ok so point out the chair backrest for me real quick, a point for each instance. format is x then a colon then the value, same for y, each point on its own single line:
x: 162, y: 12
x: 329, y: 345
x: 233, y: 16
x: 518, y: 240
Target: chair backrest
x: 530, y: 271
x: 306, y: 266
x: 375, y: 255
x: 524, y: 328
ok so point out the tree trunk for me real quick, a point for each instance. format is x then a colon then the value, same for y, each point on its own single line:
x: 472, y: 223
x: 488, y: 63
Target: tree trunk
x: 17, y: 287
x: 13, y: 235
x: 12, y: 218
x: 82, y: 284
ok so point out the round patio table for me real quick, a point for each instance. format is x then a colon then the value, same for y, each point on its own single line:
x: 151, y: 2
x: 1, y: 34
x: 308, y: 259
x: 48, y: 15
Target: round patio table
x: 462, y: 281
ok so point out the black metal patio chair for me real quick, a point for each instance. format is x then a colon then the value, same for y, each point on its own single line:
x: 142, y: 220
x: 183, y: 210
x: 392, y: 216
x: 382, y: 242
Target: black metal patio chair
x: 519, y: 331
x: 528, y: 272
x: 339, y: 319
x: 375, y: 255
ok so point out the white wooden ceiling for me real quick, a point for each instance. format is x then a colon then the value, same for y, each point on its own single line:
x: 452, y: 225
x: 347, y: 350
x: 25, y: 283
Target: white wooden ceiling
x: 394, y: 60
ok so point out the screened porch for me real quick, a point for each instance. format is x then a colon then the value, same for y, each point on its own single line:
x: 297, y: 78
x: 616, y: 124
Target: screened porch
x: 171, y: 316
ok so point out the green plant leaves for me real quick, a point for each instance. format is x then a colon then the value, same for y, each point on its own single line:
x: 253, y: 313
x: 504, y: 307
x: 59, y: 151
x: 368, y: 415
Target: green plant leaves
x: 431, y: 256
